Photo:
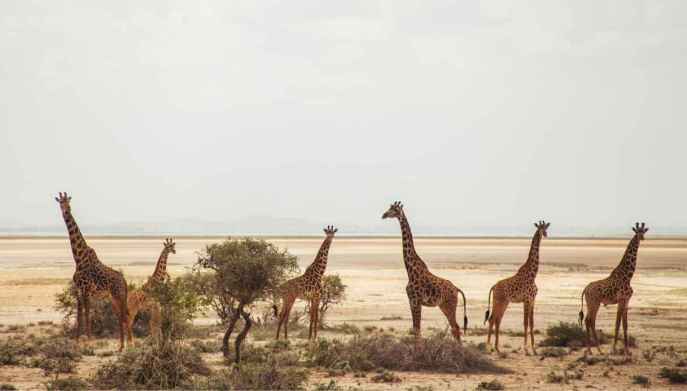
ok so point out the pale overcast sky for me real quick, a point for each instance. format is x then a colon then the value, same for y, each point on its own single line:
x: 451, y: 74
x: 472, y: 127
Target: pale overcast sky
x: 474, y: 113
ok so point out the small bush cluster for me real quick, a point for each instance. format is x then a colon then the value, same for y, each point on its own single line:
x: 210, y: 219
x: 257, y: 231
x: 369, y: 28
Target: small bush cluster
x: 385, y: 376
x: 674, y: 375
x: 155, y: 365
x: 104, y: 321
x: 438, y: 353
x: 641, y: 380
x: 493, y: 385
x: 70, y: 383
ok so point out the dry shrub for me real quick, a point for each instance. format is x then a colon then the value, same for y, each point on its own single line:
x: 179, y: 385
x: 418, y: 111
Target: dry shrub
x: 269, y: 375
x: 386, y: 377
x: 155, y: 365
x: 7, y: 387
x: 438, y: 353
x: 674, y: 375
x: 68, y: 384
x: 641, y: 380
x: 554, y: 351
x: 494, y: 385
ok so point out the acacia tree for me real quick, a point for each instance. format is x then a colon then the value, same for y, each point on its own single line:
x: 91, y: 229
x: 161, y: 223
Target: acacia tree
x: 243, y: 272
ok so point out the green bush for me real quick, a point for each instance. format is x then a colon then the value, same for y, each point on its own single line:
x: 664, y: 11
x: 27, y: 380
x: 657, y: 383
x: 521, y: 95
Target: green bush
x: 155, y: 365
x: 104, y: 321
x: 641, y: 380
x: 386, y: 377
x: 493, y: 385
x: 674, y: 375
x: 68, y: 384
x: 438, y: 353
x: 11, y: 351
x: 567, y: 335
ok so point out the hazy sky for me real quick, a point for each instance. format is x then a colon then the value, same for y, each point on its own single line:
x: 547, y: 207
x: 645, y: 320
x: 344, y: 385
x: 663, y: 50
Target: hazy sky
x: 474, y: 113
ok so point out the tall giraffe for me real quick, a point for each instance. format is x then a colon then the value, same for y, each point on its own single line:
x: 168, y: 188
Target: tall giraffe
x: 520, y: 288
x: 424, y: 288
x: 92, y: 277
x: 139, y: 300
x: 307, y: 287
x: 614, y: 289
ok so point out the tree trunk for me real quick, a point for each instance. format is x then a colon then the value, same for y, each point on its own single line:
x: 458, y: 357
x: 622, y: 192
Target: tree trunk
x: 227, y: 334
x: 242, y: 335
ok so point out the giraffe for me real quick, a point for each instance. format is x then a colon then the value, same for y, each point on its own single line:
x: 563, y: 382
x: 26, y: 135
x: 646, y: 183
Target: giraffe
x: 519, y: 288
x: 139, y: 300
x: 614, y: 289
x: 308, y: 287
x: 424, y: 288
x: 92, y: 277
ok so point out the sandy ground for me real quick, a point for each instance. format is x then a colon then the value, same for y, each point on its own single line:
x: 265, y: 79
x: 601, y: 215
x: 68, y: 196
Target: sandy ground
x: 34, y: 269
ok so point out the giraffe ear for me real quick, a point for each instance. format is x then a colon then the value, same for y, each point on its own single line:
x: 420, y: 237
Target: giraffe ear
x: 634, y: 229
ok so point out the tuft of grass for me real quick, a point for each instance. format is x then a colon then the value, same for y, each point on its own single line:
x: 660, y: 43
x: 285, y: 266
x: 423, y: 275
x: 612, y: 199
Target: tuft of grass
x: 492, y: 385
x: 212, y: 346
x: 71, y: 383
x: 7, y: 387
x: 641, y: 380
x: 345, y: 328
x: 554, y: 351
x: 674, y: 375
x: 386, y: 377
x: 331, y: 386
x: 395, y: 317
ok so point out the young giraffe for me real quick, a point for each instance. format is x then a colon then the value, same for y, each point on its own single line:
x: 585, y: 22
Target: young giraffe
x: 92, y: 277
x: 139, y: 300
x: 424, y: 288
x: 307, y: 287
x: 520, y: 288
x: 615, y: 289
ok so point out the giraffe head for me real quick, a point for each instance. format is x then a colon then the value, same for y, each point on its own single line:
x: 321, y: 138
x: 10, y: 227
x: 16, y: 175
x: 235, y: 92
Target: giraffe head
x: 542, y: 226
x: 640, y: 230
x: 330, y: 231
x: 170, y: 245
x: 63, y: 199
x: 395, y: 211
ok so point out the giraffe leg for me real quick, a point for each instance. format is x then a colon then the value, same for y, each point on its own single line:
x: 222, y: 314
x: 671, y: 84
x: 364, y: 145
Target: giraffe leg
x: 280, y: 317
x: 317, y: 316
x: 313, y: 319
x: 79, y: 315
x: 449, y: 310
x: 499, y: 311
x: 87, y: 309
x: 590, y: 323
x: 618, y: 317
x: 531, y: 322
x: 594, y: 333
x: 155, y: 320
x: 526, y: 320
x: 416, y: 312
x: 627, y: 345
x: 289, y: 306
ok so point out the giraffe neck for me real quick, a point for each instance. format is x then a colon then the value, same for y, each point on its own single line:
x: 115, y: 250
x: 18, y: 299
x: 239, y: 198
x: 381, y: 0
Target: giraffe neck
x: 76, y: 239
x: 626, y: 268
x: 319, y: 265
x: 410, y: 258
x: 161, y: 268
x: 531, y: 267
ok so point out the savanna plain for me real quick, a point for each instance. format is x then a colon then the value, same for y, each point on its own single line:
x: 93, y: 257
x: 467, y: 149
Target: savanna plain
x: 35, y: 269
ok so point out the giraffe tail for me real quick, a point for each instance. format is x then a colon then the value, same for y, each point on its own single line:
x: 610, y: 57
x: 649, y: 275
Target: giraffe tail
x: 581, y: 316
x: 275, y: 310
x: 465, y: 310
x: 486, y: 315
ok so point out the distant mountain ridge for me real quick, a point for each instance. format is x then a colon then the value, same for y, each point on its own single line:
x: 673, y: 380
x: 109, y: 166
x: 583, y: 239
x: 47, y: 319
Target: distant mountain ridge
x: 277, y: 226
